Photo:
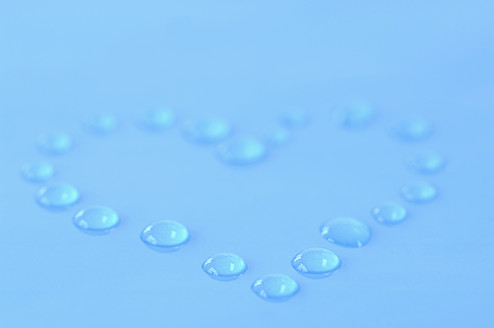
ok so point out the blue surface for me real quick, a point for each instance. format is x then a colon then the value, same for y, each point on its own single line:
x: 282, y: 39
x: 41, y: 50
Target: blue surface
x: 62, y: 62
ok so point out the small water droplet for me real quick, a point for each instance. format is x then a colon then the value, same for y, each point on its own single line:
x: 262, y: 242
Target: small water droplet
x: 103, y: 123
x: 242, y: 151
x: 207, y: 130
x: 426, y: 163
x: 316, y: 263
x: 356, y: 116
x: 165, y: 236
x: 278, y: 137
x: 158, y: 119
x: 54, y: 143
x: 37, y: 172
x: 390, y: 213
x: 96, y: 220
x: 346, y: 232
x: 294, y: 119
x: 413, y: 130
x: 419, y: 192
x: 275, y: 287
x: 224, y: 266
x: 57, y: 196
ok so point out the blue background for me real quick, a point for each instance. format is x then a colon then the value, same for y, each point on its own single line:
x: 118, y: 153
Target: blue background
x: 248, y: 61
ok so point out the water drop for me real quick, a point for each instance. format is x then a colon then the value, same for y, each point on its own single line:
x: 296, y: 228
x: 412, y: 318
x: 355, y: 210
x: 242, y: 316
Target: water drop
x: 426, y: 163
x: 390, y: 213
x: 278, y: 137
x: 96, y: 220
x: 356, y: 116
x: 158, y: 119
x: 207, y: 130
x: 294, y: 119
x: 37, y: 172
x: 54, y: 143
x: 316, y: 263
x: 103, y: 123
x: 224, y: 266
x: 413, y: 130
x: 275, y: 287
x: 165, y: 236
x: 242, y: 151
x: 419, y: 192
x: 346, y: 232
x: 58, y: 196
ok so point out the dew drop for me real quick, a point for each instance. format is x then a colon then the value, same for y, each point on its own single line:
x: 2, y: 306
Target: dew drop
x: 390, y: 213
x: 356, y: 116
x: 96, y: 220
x: 275, y: 287
x: 316, y: 263
x: 241, y: 151
x: 419, y: 192
x: 165, y: 236
x: 294, y: 119
x: 224, y: 266
x: 158, y: 119
x: 54, y: 143
x: 57, y: 196
x: 103, y: 123
x: 346, y: 232
x: 207, y: 130
x: 413, y: 130
x: 278, y: 137
x: 426, y: 163
x: 37, y: 172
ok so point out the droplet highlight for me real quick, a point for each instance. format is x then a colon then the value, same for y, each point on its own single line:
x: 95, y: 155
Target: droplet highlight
x: 419, y: 192
x: 158, y: 119
x: 356, y: 116
x: 103, y: 123
x: 413, y: 130
x: 241, y: 151
x: 224, y: 266
x: 346, y: 232
x: 294, y: 119
x: 57, y: 196
x: 37, y: 172
x: 165, y: 236
x: 96, y: 220
x: 54, y: 143
x: 207, y: 130
x: 275, y: 287
x: 389, y: 213
x: 426, y: 163
x: 316, y: 263
x: 278, y: 137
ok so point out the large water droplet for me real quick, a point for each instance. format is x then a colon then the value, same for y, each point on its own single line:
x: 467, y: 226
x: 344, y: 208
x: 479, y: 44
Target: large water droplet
x: 96, y: 220
x: 390, y: 213
x: 294, y: 119
x: 54, y: 143
x: 207, y: 130
x: 316, y: 262
x: 419, y: 192
x: 413, y: 130
x: 165, y: 236
x: 57, y: 196
x: 426, y: 163
x: 158, y: 119
x: 37, y: 172
x: 356, y: 116
x: 103, y: 123
x: 275, y: 287
x: 242, y: 151
x: 346, y: 232
x: 224, y: 266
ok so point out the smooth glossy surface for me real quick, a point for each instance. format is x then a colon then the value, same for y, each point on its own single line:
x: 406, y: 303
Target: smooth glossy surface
x: 294, y: 119
x: 158, y: 119
x: 346, y: 232
x: 54, y: 143
x: 103, y: 123
x: 38, y: 171
x: 207, y: 130
x: 241, y: 151
x: 413, y: 130
x: 426, y: 163
x: 224, y: 266
x: 316, y: 263
x: 96, y: 220
x: 356, y: 116
x: 419, y: 192
x: 275, y: 287
x: 57, y: 196
x: 165, y: 236
x: 389, y: 213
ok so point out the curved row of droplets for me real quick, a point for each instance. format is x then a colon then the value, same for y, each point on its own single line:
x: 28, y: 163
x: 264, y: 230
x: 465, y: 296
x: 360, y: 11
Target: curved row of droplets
x: 170, y: 236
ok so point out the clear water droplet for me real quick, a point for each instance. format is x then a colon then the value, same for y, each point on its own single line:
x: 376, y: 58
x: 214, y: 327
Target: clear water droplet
x: 224, y: 266
x: 57, y: 196
x: 346, y: 232
x: 294, y: 119
x: 242, y: 151
x: 390, y: 213
x: 54, y: 143
x: 356, y: 116
x: 96, y: 220
x: 419, y: 192
x: 413, y: 130
x: 103, y: 123
x: 207, y: 130
x: 316, y: 263
x: 37, y: 172
x: 426, y: 163
x: 278, y: 137
x: 165, y: 236
x: 275, y: 287
x: 158, y: 119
